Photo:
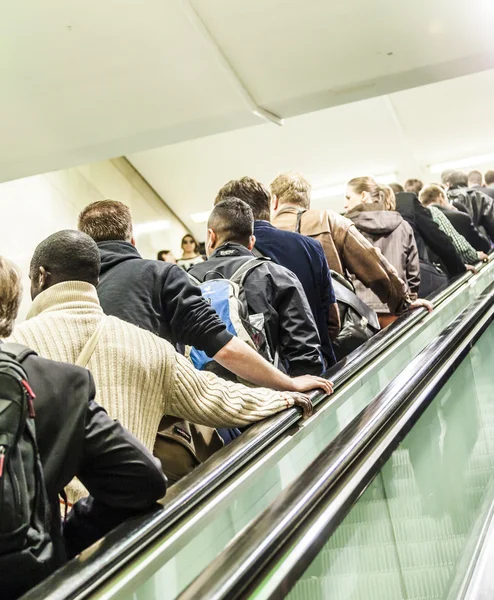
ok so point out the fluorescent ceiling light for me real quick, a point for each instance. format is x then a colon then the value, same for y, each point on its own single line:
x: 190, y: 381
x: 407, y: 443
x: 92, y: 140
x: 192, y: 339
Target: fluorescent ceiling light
x: 201, y: 217
x: 462, y: 162
x: 339, y: 189
x: 151, y: 226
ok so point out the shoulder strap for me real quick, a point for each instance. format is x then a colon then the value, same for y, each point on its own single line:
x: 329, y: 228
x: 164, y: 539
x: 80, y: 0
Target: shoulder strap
x: 194, y: 280
x: 299, y: 211
x: 87, y: 351
x: 257, y: 253
x: 241, y: 273
x: 16, y: 351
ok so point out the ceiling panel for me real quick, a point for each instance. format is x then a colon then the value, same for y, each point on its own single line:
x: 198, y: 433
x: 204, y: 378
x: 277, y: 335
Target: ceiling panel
x: 82, y: 81
x: 402, y: 133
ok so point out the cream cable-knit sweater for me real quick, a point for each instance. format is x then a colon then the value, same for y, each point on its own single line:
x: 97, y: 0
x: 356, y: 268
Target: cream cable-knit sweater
x: 139, y: 376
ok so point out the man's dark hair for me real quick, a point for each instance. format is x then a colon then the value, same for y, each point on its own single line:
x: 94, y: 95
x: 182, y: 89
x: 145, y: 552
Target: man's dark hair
x: 250, y: 191
x: 414, y: 186
x: 106, y: 220
x: 489, y: 178
x: 68, y: 255
x: 397, y: 187
x: 457, y: 179
x: 160, y: 254
x: 232, y: 221
x: 474, y: 178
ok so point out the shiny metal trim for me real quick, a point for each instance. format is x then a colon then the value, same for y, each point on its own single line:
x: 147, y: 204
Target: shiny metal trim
x: 341, y: 472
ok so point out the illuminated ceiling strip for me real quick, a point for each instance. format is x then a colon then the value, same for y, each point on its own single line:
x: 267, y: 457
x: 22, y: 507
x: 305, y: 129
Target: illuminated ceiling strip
x: 462, y: 162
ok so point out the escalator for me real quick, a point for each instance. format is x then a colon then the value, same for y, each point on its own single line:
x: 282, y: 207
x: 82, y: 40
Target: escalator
x: 159, y: 555
x: 400, y: 504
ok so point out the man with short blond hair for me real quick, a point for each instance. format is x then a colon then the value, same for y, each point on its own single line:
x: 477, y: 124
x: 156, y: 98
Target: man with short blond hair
x: 345, y: 247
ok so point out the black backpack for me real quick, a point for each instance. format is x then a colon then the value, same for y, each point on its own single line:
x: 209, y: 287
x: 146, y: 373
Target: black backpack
x: 27, y: 554
x: 358, y: 321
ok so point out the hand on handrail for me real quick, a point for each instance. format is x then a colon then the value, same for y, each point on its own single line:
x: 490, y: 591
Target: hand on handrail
x: 307, y: 383
x: 421, y: 302
x: 305, y: 404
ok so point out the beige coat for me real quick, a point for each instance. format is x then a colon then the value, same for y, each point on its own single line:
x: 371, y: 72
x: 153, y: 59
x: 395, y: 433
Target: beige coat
x: 347, y: 250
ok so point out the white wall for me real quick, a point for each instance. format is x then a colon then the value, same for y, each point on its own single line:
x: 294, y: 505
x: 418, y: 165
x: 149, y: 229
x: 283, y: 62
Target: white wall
x: 35, y: 207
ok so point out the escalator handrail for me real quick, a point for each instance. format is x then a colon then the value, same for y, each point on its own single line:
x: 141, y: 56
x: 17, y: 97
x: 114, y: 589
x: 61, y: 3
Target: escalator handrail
x: 89, y: 570
x: 307, y: 512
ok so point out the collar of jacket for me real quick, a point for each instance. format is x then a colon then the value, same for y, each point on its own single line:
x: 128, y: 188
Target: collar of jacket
x: 230, y: 249
x: 365, y: 207
x: 70, y: 295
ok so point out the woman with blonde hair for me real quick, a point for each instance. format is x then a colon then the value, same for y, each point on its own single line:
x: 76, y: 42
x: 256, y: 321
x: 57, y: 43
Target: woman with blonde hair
x: 372, y: 207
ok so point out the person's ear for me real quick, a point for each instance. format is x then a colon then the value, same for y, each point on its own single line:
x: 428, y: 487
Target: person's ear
x: 211, y: 242
x: 42, y: 278
x: 275, y: 203
x: 252, y: 242
x: 133, y: 241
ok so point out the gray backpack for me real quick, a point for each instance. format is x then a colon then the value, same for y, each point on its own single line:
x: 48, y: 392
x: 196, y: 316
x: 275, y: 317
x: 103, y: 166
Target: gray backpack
x: 26, y: 550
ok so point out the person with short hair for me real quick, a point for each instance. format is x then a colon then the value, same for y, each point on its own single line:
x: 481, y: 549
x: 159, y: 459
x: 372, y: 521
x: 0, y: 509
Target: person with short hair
x: 139, y: 376
x: 474, y: 201
x: 475, y: 182
x: 434, y: 198
x: 475, y: 179
x: 159, y: 297
x: 489, y: 179
x: 76, y: 438
x: 272, y: 292
x: 396, y: 187
x: 301, y: 255
x: 413, y: 186
x: 346, y: 249
x: 166, y: 256
x: 191, y: 254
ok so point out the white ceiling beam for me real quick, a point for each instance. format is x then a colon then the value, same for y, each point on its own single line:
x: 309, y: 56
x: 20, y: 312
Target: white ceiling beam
x: 189, y: 11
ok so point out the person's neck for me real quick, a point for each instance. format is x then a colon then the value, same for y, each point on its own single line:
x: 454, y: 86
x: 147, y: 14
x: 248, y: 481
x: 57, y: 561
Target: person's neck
x: 190, y: 255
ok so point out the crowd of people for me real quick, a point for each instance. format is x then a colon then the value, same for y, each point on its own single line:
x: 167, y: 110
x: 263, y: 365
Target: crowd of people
x: 183, y: 355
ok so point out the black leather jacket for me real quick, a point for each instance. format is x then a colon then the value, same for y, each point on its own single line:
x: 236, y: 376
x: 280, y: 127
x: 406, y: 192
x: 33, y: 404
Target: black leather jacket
x: 478, y: 205
x: 275, y: 292
x: 76, y: 438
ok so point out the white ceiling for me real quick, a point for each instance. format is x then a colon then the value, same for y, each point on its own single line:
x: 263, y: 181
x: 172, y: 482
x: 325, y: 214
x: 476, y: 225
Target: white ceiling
x: 400, y: 133
x: 83, y: 81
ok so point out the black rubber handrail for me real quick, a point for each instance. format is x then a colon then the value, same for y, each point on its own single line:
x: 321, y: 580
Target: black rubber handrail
x: 79, y: 577
x: 298, y: 523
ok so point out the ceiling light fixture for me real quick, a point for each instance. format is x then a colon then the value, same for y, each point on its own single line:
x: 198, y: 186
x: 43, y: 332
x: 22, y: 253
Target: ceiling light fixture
x: 462, y: 162
x: 201, y: 217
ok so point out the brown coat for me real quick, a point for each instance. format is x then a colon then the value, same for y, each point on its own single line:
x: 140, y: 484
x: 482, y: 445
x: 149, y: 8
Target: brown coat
x: 388, y: 231
x: 347, y: 249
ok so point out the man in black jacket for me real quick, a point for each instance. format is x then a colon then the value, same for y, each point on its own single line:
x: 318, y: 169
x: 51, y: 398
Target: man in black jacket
x: 473, y: 201
x: 429, y: 238
x: 76, y: 438
x: 159, y: 297
x: 475, y: 182
x: 433, y: 195
x: 272, y: 292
